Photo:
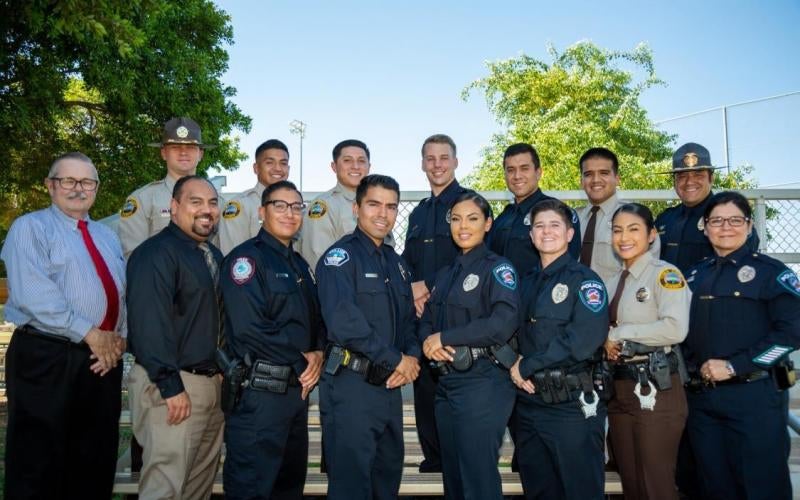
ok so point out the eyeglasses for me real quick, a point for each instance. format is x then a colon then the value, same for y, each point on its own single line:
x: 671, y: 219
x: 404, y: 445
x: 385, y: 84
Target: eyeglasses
x: 70, y: 183
x: 281, y: 206
x: 734, y: 221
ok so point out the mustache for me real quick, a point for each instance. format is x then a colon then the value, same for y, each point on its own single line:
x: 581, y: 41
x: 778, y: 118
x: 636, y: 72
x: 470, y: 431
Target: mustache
x: 77, y: 194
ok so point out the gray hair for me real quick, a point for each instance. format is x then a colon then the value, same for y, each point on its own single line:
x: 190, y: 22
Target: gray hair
x: 75, y: 155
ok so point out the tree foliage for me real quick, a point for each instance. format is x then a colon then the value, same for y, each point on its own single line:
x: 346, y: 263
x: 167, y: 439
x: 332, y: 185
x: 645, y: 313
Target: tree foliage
x: 585, y: 97
x: 102, y: 77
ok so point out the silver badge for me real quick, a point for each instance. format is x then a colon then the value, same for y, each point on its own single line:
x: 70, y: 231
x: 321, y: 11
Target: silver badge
x: 470, y: 282
x: 746, y: 273
x: 402, y: 271
x: 643, y: 294
x: 527, y: 220
x: 182, y: 132
x: 559, y: 293
x: 447, y: 216
x: 700, y: 225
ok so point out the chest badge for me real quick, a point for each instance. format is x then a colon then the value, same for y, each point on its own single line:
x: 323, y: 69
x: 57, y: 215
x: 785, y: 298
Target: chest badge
x: 447, y: 216
x: 745, y: 274
x: 527, y: 220
x: 643, y: 294
x: 559, y: 293
x: 700, y: 224
x: 470, y: 282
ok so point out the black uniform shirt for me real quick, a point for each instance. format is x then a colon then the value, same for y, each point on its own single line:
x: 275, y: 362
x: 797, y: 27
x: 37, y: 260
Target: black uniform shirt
x: 683, y: 242
x: 173, y: 316
x: 510, y: 234
x: 474, y: 301
x: 564, y: 316
x: 745, y: 309
x: 429, y: 244
x: 271, y: 306
x: 365, y: 296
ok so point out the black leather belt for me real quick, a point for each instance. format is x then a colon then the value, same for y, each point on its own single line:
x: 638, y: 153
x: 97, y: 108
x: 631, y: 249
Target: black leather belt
x: 205, y: 370
x: 51, y: 337
x: 630, y: 371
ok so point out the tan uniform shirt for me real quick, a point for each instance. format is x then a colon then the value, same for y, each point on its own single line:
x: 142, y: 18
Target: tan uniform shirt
x: 654, y: 306
x: 239, y: 220
x: 604, y: 261
x: 145, y: 213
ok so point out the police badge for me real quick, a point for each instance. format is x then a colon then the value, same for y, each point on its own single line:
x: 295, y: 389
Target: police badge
x: 559, y: 293
x: 745, y: 274
x: 470, y: 282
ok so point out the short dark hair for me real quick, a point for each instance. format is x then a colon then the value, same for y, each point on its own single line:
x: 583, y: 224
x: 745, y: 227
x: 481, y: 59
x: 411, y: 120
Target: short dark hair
x: 724, y: 197
x: 439, y: 139
x: 557, y: 206
x: 521, y: 148
x: 475, y: 197
x: 271, y: 144
x: 265, y: 196
x: 378, y: 180
x: 177, y: 191
x: 638, y: 210
x: 348, y: 143
x: 604, y: 153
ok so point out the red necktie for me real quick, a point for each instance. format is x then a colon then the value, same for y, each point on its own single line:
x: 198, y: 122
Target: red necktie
x: 112, y: 297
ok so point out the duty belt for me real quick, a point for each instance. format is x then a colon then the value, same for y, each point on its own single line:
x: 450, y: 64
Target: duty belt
x: 631, y: 370
x: 462, y: 360
x: 337, y: 356
x: 266, y: 376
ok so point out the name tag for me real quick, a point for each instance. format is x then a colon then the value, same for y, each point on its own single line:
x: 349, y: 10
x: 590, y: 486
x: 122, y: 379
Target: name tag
x: 371, y: 275
x: 281, y: 275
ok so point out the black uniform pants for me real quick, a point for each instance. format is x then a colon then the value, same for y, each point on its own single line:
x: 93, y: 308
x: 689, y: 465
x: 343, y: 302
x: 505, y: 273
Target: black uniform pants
x: 560, y: 451
x: 740, y: 441
x: 425, y: 417
x: 266, y: 440
x: 362, y: 431
x: 63, y: 421
x: 472, y: 410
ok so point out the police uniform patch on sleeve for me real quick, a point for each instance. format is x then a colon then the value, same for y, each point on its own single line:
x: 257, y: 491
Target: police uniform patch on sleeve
x: 671, y: 279
x: 317, y: 209
x: 336, y: 257
x: 789, y: 281
x: 129, y: 208
x: 232, y: 209
x: 593, y: 295
x: 506, y: 276
x: 242, y: 270
x: 771, y: 355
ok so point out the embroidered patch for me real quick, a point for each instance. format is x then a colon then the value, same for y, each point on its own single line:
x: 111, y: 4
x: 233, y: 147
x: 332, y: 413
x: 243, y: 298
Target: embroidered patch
x: 559, y: 293
x: 317, y: 209
x: 129, y: 208
x: 745, y: 274
x: 336, y: 257
x: 789, y: 281
x: 671, y: 279
x: 232, y: 209
x: 593, y: 295
x: 506, y: 276
x: 643, y: 294
x: 242, y: 270
x: 771, y: 355
x: 470, y: 282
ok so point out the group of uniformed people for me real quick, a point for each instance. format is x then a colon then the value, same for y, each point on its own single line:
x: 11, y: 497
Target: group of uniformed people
x: 545, y: 320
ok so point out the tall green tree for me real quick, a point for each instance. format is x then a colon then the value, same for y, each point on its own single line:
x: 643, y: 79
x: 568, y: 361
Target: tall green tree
x: 102, y: 77
x: 585, y: 97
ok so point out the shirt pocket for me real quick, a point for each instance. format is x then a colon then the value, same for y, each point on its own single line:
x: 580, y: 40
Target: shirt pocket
x: 372, y: 297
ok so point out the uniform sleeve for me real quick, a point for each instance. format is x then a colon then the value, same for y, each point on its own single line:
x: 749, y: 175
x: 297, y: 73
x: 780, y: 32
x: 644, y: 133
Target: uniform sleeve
x: 581, y: 337
x: 500, y: 324
x: 317, y: 235
x: 782, y: 295
x: 673, y: 317
x: 343, y: 318
x: 29, y: 280
x: 248, y: 325
x: 574, y: 248
x: 411, y: 344
x: 233, y: 229
x: 134, y: 224
x: 151, y: 290
x: 655, y: 248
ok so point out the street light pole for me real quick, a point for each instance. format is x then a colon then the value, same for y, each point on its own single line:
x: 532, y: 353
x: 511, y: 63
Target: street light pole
x: 298, y: 127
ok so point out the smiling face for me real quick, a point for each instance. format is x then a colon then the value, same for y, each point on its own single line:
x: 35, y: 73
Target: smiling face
x: 630, y: 237
x: 351, y: 166
x: 197, y: 210
x: 727, y: 239
x: 181, y: 159
x: 271, y: 166
x: 77, y: 201
x: 439, y: 163
x: 283, y: 226
x: 550, y: 234
x: 693, y: 186
x: 522, y: 176
x: 598, y: 179
x: 377, y: 213
x: 468, y: 225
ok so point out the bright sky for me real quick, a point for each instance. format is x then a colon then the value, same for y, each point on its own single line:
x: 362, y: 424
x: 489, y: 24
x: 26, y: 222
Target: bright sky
x: 391, y: 74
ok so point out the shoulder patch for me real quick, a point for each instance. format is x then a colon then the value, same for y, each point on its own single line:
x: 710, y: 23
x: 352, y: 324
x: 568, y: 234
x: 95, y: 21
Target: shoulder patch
x: 336, y: 257
x: 593, y: 295
x: 129, y: 208
x: 317, y: 209
x: 232, y: 210
x: 505, y: 275
x: 789, y: 281
x: 242, y: 270
x: 671, y: 279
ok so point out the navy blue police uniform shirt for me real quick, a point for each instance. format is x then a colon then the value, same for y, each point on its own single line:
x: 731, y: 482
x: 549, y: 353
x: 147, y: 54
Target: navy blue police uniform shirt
x: 745, y: 309
x: 683, y: 242
x: 564, y: 316
x: 510, y: 234
x: 429, y: 245
x: 271, y: 306
x: 366, y: 301
x: 474, y: 301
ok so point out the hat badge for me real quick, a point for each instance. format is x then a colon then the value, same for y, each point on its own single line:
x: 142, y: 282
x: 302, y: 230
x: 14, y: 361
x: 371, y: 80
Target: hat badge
x: 182, y: 132
x: 690, y: 159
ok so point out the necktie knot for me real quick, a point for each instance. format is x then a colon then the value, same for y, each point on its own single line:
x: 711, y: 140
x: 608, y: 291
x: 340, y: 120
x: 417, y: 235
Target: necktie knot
x: 595, y: 209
